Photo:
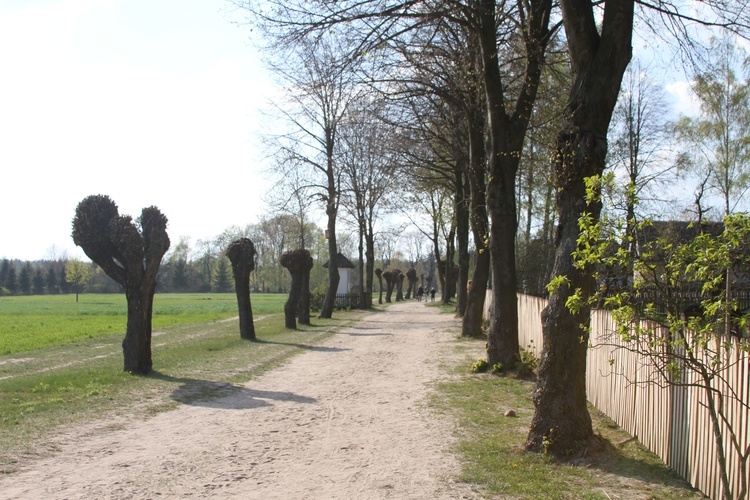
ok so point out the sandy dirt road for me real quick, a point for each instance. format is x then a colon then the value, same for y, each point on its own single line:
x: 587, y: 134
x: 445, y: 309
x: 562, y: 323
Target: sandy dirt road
x: 345, y: 420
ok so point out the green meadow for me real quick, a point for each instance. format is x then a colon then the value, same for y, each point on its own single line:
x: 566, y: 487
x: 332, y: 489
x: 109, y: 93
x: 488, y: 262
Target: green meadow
x: 38, y: 321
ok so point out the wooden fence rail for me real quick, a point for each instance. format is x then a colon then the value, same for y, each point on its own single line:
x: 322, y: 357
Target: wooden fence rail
x: 671, y: 421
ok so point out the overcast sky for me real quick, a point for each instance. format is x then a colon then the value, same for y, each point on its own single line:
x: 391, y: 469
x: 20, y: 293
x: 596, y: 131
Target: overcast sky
x: 149, y: 102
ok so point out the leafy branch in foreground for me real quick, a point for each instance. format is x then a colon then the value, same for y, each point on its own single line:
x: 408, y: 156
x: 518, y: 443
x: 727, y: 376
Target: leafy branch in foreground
x: 675, y: 303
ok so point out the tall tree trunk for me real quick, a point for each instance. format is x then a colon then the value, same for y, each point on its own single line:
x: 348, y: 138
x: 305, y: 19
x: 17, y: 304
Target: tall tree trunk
x: 502, y: 338
x: 369, y: 270
x: 462, y: 202
x: 333, y: 272
x: 561, y: 422
x: 474, y: 315
x: 506, y: 134
x: 361, y: 280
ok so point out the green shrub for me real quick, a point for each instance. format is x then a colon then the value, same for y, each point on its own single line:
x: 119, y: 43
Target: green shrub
x: 529, y: 362
x: 480, y: 366
x: 318, y: 296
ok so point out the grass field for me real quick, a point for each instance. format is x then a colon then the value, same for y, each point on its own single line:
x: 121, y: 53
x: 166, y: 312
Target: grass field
x: 38, y: 321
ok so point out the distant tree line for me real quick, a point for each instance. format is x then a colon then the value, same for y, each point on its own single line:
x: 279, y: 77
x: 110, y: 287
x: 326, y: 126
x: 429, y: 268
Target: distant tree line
x: 204, y: 267
x: 32, y: 278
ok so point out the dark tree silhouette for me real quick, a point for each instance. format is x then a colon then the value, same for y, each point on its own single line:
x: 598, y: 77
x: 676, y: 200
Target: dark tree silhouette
x: 379, y: 274
x: 299, y: 263
x: 389, y: 281
x: 411, y: 275
x: 130, y: 253
x: 303, y: 306
x: 399, y: 279
x: 241, y: 254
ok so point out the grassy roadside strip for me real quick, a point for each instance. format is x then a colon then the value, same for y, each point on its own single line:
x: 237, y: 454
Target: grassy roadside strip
x: 490, y: 445
x: 42, y: 392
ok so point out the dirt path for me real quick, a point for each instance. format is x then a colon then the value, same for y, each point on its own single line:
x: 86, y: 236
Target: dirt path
x: 344, y: 420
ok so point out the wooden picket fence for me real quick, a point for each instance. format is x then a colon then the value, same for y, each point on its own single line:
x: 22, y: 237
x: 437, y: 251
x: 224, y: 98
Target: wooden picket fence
x: 671, y: 421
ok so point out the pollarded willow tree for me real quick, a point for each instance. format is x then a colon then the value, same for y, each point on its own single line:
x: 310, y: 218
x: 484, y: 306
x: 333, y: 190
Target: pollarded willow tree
x: 399, y: 285
x: 130, y: 253
x: 241, y: 254
x: 390, y: 280
x: 411, y: 276
x: 299, y: 263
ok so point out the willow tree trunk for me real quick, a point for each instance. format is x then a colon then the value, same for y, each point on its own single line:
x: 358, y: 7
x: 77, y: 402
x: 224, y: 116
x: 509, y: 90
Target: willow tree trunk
x: 292, y: 302
x: 379, y: 274
x: 389, y: 282
x: 303, y: 304
x: 400, y: 286
x: 136, y: 346
x: 245, y: 310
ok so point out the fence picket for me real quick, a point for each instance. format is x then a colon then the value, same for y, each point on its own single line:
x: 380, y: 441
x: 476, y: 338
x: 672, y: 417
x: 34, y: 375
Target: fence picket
x: 671, y: 421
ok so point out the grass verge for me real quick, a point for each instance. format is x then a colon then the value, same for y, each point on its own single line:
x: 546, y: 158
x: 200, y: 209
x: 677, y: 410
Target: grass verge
x: 491, y: 445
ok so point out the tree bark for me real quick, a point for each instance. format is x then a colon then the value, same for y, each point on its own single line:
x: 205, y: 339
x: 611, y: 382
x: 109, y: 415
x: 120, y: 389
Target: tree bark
x: 299, y: 263
x: 333, y: 272
x: 136, y: 346
x: 506, y: 134
x: 130, y: 256
x: 241, y: 254
x: 370, y: 270
x: 561, y: 422
x: 474, y: 315
x: 303, y: 303
x: 400, y: 286
x: 379, y: 274
x: 462, y: 201
x: 292, y: 302
x: 242, y: 289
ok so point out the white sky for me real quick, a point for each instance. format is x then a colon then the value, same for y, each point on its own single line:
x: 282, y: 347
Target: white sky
x: 149, y: 102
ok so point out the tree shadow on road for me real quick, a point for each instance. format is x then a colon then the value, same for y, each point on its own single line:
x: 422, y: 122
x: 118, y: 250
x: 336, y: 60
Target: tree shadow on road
x: 316, y: 348
x: 223, y: 395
